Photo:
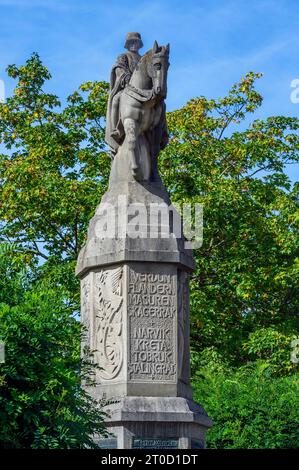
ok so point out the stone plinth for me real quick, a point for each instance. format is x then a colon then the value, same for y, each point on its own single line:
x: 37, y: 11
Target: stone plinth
x: 135, y: 306
x: 160, y: 422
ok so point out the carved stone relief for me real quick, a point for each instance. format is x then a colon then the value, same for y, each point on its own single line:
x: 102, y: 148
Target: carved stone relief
x: 108, y: 337
x: 85, y: 313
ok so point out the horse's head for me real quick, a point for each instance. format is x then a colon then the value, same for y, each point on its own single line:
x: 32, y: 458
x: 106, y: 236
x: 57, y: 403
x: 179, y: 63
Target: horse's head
x: 157, y: 69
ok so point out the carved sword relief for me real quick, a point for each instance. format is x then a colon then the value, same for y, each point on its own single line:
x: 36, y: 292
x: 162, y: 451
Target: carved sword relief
x: 108, y: 334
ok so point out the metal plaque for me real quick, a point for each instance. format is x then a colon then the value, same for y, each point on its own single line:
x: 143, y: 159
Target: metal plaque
x: 153, y: 443
x: 108, y: 443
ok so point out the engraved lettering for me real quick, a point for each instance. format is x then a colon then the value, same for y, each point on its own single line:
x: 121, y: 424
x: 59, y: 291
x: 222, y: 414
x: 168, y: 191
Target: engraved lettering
x: 152, y: 314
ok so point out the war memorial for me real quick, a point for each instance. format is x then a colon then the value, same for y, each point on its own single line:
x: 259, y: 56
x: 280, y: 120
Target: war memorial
x: 134, y: 271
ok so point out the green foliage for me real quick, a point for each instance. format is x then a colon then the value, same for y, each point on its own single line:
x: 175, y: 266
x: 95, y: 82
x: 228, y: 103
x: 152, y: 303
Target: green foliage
x: 244, y: 291
x: 50, y: 177
x: 42, y: 404
x: 247, y: 268
x: 250, y: 407
x: 273, y: 348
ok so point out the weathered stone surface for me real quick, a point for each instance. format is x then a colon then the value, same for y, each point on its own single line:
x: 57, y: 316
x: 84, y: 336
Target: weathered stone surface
x: 137, y: 330
x: 136, y: 128
x: 161, y: 409
x: 152, y: 323
x: 134, y: 271
x: 165, y: 247
x: 178, y: 418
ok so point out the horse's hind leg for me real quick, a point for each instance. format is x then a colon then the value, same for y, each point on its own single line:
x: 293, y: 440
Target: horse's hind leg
x: 130, y: 143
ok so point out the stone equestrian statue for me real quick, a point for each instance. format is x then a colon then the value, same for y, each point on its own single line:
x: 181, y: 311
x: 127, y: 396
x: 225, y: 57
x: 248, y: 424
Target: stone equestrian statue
x: 135, y: 123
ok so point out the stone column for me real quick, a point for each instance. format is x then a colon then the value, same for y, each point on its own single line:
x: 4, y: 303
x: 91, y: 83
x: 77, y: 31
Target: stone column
x: 135, y: 305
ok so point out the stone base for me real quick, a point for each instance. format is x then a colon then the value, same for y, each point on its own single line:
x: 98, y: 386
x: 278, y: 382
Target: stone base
x: 156, y: 242
x: 156, y: 423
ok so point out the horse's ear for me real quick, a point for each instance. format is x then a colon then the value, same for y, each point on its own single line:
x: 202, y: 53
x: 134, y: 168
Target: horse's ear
x: 155, y: 47
x: 168, y: 48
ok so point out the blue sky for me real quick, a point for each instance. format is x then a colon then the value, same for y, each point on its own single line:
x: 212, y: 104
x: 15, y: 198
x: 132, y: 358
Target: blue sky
x: 213, y: 43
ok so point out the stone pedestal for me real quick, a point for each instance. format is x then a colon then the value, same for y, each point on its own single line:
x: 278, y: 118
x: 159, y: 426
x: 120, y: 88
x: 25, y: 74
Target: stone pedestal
x: 157, y: 422
x: 135, y: 306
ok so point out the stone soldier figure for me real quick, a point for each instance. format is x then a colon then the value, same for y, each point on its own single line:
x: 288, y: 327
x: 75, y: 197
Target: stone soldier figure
x: 120, y: 77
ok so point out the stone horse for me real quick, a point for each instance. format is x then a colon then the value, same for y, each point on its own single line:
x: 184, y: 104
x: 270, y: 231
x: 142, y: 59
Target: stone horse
x: 142, y: 121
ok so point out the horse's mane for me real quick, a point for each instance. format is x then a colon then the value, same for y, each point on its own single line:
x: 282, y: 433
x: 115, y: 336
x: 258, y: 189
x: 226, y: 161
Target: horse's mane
x: 148, y: 55
x: 145, y: 58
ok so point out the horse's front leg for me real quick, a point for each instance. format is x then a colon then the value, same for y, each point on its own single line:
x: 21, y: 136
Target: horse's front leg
x: 131, y: 131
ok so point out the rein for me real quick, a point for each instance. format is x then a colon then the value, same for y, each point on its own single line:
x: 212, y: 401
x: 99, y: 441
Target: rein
x: 139, y: 94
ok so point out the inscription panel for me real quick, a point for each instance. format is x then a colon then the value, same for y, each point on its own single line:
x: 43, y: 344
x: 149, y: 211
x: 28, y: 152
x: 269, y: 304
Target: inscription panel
x: 152, y: 443
x: 152, y: 312
x: 108, y: 443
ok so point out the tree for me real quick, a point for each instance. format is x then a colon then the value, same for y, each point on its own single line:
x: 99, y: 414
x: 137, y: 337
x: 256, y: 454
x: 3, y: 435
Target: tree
x: 50, y: 176
x: 244, y: 291
x: 42, y: 403
x: 251, y: 408
x: 247, y: 269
